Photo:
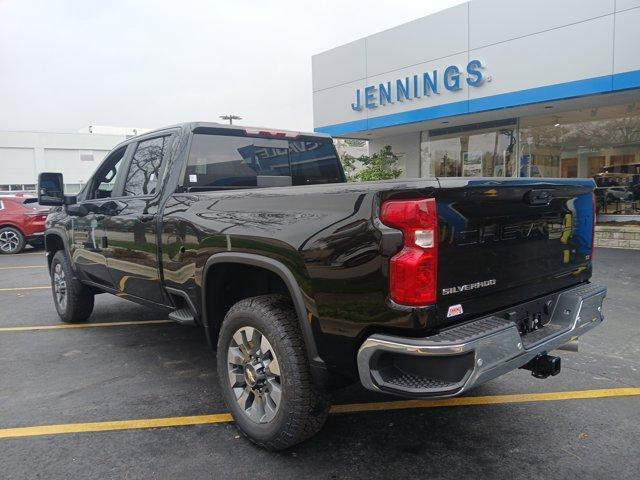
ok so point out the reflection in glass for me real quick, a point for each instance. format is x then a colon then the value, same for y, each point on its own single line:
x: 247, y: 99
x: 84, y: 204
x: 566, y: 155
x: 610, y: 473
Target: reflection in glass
x: 474, y: 153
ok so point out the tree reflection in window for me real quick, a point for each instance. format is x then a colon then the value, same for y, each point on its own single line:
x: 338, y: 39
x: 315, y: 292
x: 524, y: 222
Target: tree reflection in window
x: 144, y: 171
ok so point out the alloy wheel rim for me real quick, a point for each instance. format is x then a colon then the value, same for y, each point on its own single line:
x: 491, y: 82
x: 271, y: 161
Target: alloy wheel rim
x: 254, y: 374
x: 9, y: 241
x: 60, y: 286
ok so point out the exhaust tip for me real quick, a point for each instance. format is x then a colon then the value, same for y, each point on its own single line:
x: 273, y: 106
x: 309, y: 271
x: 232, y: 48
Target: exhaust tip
x: 570, y: 346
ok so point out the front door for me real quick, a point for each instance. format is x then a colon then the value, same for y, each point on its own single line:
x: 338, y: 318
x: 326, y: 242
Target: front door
x: 89, y: 241
x: 132, y: 256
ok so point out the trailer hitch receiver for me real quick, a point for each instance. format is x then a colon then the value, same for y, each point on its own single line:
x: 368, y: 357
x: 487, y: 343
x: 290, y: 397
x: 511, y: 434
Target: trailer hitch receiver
x: 543, y: 366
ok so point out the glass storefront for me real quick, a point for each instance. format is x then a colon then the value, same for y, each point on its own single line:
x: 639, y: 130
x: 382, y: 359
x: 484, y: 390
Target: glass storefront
x: 601, y: 143
x: 483, y: 150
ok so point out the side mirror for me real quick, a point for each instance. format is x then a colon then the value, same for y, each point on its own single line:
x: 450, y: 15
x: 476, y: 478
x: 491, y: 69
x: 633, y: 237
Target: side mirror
x: 50, y: 189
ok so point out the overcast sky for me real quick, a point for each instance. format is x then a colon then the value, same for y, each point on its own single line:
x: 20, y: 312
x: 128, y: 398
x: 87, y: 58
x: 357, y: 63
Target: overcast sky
x: 68, y: 64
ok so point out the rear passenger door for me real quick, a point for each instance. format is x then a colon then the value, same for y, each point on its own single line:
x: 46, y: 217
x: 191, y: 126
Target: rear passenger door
x: 132, y: 256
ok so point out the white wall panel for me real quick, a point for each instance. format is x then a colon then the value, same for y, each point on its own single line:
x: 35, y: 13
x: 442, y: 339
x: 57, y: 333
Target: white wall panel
x: 333, y: 105
x: 98, y: 156
x: 576, y: 52
x: 68, y: 163
x: 407, y: 147
x: 492, y: 21
x: 627, y: 45
x: 17, y: 165
x: 626, y: 4
x: 340, y: 65
x: 439, y: 35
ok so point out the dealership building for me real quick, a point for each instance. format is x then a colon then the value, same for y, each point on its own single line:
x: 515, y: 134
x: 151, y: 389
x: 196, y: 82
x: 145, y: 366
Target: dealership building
x: 494, y: 88
x: 76, y: 155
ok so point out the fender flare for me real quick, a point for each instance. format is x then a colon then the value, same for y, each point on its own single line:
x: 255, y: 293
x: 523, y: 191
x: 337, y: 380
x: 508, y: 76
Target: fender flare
x: 56, y: 233
x: 287, y: 277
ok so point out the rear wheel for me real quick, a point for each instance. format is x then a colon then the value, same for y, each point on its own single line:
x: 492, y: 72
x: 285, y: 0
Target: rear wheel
x: 264, y: 374
x: 11, y: 240
x: 73, y: 300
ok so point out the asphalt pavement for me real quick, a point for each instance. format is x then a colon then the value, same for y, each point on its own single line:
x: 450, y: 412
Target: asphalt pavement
x: 132, y: 395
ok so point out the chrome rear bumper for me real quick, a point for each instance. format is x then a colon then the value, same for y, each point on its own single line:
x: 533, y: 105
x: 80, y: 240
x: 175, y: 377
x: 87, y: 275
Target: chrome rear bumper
x: 462, y: 357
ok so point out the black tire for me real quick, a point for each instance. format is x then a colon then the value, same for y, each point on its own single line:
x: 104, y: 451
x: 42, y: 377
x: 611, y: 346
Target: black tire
x: 11, y: 241
x: 78, y: 303
x: 303, y: 408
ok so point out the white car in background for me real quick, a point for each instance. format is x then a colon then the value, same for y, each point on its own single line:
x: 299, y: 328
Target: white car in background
x: 616, y: 194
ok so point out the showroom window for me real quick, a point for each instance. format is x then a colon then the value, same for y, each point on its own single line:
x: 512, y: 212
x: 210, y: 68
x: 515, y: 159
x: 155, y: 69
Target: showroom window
x: 479, y: 150
x: 602, y: 143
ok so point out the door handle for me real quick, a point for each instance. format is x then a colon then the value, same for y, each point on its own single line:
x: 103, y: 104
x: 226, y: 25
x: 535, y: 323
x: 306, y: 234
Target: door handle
x: 144, y: 218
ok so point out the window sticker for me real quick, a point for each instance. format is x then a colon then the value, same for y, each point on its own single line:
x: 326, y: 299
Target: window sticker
x: 193, y: 178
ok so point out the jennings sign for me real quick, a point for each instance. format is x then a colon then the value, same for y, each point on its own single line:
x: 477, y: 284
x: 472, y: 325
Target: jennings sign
x: 418, y: 86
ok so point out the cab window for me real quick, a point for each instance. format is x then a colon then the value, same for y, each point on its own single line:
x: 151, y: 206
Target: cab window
x: 145, y: 169
x: 107, y: 175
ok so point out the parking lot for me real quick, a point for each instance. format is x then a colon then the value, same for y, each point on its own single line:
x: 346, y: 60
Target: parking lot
x: 133, y: 395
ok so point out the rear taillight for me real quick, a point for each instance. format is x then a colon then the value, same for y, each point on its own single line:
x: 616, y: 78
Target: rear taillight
x: 35, y: 214
x: 413, y: 271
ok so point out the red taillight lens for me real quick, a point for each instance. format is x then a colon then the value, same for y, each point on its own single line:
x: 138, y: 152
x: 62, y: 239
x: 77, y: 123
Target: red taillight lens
x: 413, y: 271
x: 36, y: 215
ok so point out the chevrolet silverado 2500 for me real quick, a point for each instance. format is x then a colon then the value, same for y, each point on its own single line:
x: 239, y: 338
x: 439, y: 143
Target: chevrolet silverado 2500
x: 303, y: 282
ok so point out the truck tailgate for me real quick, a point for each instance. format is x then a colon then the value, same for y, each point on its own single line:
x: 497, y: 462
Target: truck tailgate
x: 502, y: 242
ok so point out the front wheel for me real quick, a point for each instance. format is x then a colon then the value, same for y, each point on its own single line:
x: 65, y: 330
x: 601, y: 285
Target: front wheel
x: 73, y: 300
x: 264, y: 374
x: 11, y: 240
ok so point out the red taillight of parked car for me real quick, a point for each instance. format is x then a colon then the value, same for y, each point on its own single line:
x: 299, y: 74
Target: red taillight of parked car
x: 36, y: 214
x: 413, y: 271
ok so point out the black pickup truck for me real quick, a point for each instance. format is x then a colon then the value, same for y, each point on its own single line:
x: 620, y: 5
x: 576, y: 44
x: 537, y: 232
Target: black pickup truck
x: 303, y: 282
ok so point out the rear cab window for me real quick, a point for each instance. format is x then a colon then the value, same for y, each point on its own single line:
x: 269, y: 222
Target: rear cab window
x: 232, y: 161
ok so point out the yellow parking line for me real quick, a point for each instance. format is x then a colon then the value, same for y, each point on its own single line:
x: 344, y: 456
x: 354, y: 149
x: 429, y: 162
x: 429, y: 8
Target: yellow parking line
x: 487, y: 400
x: 117, y: 425
x: 19, y: 289
x: 43, y: 267
x: 81, y: 325
x: 350, y: 408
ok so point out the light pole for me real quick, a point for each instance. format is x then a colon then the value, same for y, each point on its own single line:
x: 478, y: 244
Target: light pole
x: 231, y: 118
